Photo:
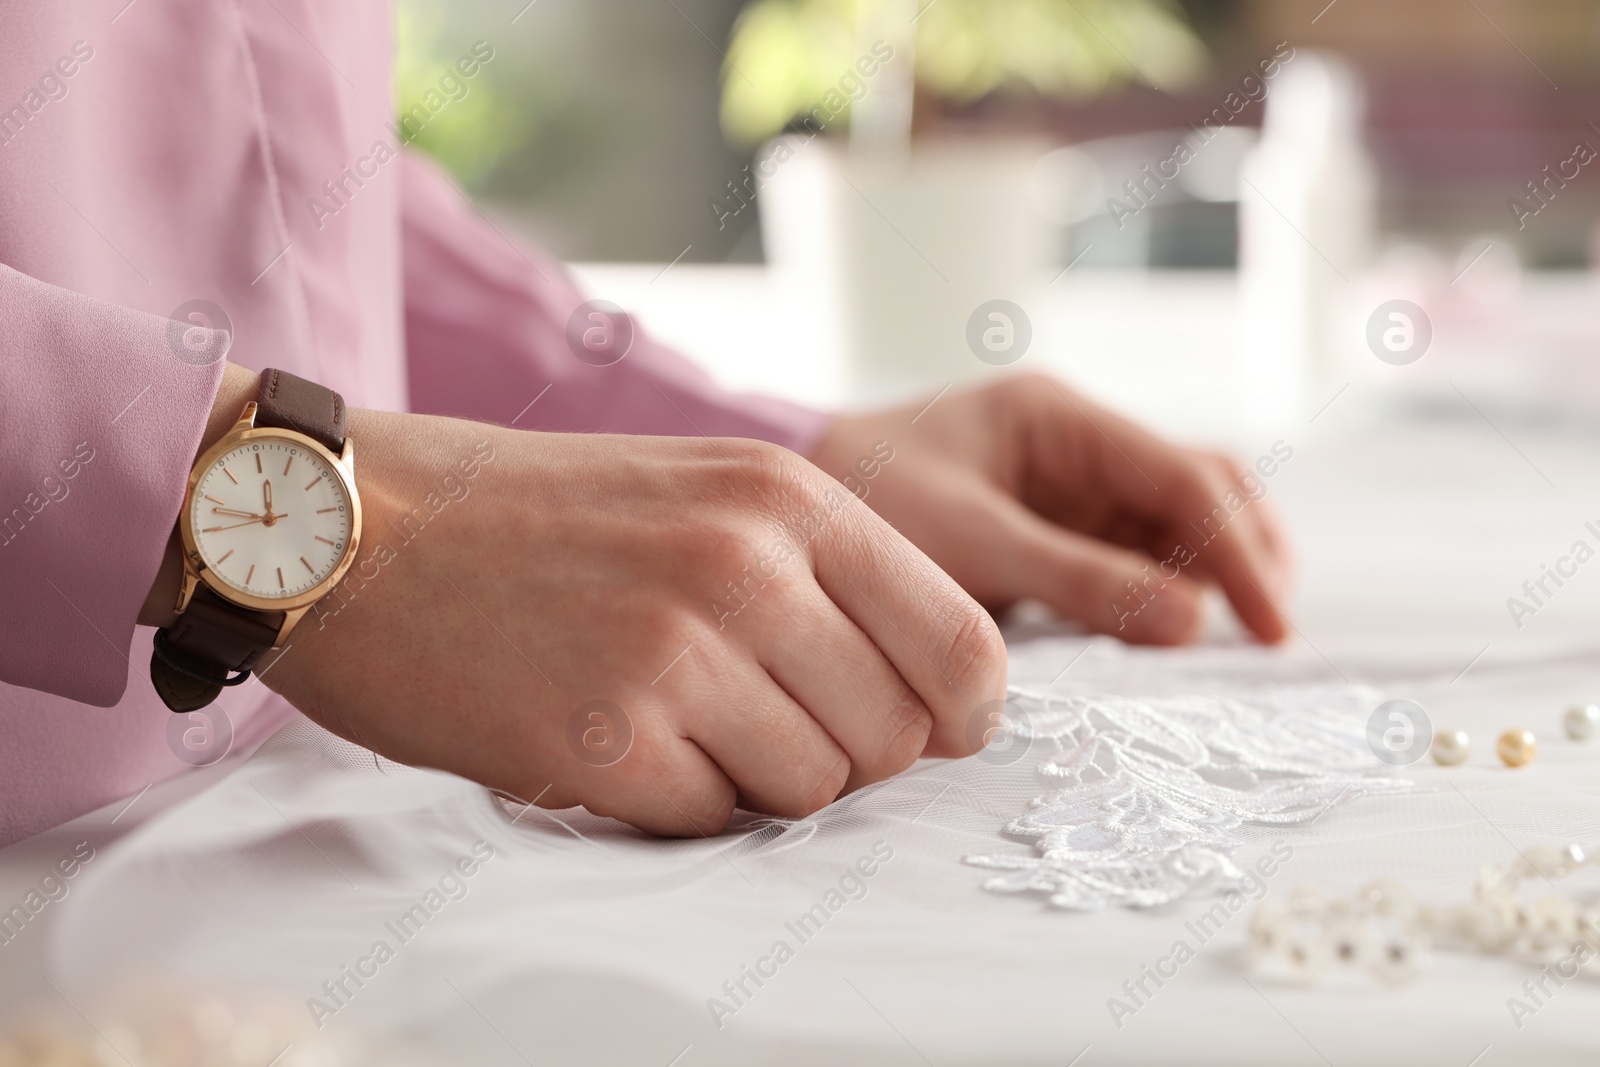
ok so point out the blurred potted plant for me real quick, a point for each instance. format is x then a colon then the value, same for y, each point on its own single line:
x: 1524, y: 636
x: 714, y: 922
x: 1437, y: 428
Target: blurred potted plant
x: 895, y: 231
x: 459, y: 119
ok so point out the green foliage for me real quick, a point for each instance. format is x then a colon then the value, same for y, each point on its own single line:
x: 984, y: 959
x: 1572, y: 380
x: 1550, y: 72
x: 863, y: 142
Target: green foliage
x: 786, y: 54
x: 469, y: 135
x: 783, y: 57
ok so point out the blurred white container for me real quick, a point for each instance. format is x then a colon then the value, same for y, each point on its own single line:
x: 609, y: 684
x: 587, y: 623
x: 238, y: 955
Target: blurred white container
x: 892, y: 253
x: 1307, y: 227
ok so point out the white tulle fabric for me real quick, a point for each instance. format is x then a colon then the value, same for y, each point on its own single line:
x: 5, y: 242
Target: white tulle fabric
x: 286, y: 867
x: 1148, y: 793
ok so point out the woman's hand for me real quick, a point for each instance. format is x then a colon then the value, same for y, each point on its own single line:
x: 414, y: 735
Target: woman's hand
x: 768, y: 639
x: 1025, y: 489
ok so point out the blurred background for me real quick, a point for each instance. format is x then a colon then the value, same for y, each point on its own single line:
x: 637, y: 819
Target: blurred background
x: 1202, y: 212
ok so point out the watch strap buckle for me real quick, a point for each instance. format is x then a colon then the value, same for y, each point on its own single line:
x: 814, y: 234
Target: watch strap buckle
x: 185, y: 682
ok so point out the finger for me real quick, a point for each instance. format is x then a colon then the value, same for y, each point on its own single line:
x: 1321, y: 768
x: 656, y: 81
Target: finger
x: 1225, y: 551
x: 1259, y: 520
x: 782, y: 761
x: 1082, y: 443
x: 1110, y: 589
x: 1079, y: 444
x: 1275, y: 535
x: 1239, y: 505
x: 663, y: 783
x: 836, y: 673
x: 1135, y: 467
x: 1277, y: 538
x: 938, y: 638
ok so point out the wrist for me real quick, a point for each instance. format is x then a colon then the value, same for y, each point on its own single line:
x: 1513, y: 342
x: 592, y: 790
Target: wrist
x: 237, y: 389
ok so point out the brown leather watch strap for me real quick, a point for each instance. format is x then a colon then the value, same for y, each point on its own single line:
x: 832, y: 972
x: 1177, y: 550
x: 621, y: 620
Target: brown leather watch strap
x: 288, y: 402
x: 215, y: 643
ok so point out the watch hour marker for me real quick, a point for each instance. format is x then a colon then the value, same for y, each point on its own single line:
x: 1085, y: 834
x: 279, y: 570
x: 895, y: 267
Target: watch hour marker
x: 324, y: 540
x: 258, y: 464
x: 232, y: 475
x: 225, y: 556
x: 287, y: 465
x: 251, y: 575
x: 324, y: 511
x: 312, y: 483
x: 309, y: 567
x: 214, y: 500
x: 280, y: 578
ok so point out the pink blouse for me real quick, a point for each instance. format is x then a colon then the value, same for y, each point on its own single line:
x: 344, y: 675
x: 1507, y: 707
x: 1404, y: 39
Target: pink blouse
x: 241, y: 153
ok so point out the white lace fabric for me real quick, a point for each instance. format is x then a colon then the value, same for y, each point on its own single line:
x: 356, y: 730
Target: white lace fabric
x: 1148, y: 794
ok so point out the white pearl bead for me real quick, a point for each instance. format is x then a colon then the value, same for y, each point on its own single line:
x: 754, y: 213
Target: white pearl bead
x: 1270, y: 929
x: 1589, y: 928
x: 1582, y: 722
x: 1387, y: 898
x: 1306, y: 901
x: 1350, y: 942
x: 1488, y: 923
x: 1552, y: 922
x: 1398, y: 958
x: 1309, y: 957
x: 1451, y: 748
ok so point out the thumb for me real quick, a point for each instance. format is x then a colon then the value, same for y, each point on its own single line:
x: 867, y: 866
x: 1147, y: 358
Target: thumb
x: 1110, y: 589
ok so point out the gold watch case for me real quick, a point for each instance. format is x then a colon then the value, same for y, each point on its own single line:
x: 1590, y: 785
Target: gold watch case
x: 195, y: 570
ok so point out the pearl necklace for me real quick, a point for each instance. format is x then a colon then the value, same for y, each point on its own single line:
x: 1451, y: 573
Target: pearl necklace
x: 1385, y: 932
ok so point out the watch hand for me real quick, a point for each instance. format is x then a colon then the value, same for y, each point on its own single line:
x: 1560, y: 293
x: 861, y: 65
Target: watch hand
x: 266, y: 490
x: 240, y: 514
x: 235, y: 526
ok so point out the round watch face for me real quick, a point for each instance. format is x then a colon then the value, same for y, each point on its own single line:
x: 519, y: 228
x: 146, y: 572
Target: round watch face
x: 271, y: 518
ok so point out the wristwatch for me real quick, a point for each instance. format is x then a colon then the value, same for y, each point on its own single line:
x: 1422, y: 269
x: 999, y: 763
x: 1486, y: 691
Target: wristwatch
x: 270, y: 523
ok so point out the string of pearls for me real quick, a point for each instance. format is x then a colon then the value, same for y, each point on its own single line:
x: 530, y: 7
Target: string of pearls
x: 1383, y: 931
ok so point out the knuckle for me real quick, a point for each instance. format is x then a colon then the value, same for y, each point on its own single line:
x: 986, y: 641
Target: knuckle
x: 654, y: 788
x: 826, y: 790
x: 770, y: 468
x: 974, y: 649
x: 695, y: 809
x: 760, y: 453
x: 708, y: 811
x: 749, y: 575
x: 788, y: 484
x: 906, y: 731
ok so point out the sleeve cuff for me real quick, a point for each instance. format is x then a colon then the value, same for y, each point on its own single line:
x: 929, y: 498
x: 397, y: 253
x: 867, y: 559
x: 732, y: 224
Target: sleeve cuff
x: 101, y: 415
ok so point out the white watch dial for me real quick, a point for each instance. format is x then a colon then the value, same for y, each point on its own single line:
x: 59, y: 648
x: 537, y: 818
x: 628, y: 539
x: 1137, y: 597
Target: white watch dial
x: 271, y: 518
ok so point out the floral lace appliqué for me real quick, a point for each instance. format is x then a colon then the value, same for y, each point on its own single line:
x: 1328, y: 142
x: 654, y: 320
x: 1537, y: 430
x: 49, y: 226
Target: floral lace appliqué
x: 1149, y: 794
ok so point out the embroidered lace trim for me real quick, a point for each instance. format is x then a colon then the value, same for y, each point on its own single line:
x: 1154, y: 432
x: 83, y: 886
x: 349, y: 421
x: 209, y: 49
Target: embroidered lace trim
x: 1148, y: 794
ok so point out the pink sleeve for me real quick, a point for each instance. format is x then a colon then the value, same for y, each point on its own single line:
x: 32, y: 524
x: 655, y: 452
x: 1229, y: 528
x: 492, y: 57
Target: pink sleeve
x: 487, y: 333
x: 100, y: 421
